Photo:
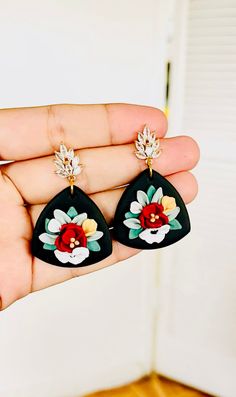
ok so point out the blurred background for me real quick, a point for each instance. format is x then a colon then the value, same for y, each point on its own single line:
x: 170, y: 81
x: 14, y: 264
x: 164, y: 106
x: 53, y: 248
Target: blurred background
x: 172, y: 312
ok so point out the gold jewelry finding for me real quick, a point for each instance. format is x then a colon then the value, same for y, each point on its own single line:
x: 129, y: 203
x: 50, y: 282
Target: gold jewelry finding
x: 147, y: 147
x: 149, y: 164
x: 71, y: 182
x: 67, y: 164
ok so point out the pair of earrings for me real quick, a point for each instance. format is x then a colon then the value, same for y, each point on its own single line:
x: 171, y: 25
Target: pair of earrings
x: 72, y: 232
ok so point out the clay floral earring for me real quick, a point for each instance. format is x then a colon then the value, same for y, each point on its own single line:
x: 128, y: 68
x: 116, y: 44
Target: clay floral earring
x: 71, y: 230
x: 151, y: 213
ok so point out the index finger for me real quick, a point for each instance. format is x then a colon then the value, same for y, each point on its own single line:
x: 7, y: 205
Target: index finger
x: 27, y: 133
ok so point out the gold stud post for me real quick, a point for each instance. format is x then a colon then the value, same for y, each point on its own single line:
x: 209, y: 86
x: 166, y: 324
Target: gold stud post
x: 149, y: 164
x: 72, y: 181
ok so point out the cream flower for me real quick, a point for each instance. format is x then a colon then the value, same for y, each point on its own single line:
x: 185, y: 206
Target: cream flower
x: 168, y: 203
x: 89, y: 227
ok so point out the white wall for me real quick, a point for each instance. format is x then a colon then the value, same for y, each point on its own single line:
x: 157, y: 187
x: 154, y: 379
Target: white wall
x: 96, y: 331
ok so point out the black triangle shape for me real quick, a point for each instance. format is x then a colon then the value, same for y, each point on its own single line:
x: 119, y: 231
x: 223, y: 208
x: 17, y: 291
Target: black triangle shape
x: 79, y: 203
x: 178, y: 228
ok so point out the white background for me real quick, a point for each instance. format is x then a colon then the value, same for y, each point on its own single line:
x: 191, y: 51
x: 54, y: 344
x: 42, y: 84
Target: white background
x: 96, y: 331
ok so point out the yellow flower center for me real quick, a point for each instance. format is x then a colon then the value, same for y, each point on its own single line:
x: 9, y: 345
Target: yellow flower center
x: 73, y: 242
x: 153, y: 217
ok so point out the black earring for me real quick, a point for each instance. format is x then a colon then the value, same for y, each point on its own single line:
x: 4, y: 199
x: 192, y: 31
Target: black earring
x: 151, y: 213
x: 71, y: 230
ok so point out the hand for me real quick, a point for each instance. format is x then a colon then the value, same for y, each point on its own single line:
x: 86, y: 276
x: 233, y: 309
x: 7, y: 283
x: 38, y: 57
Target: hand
x: 104, y: 136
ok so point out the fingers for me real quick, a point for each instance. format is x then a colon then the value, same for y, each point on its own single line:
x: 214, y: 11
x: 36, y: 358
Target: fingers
x: 19, y: 278
x: 46, y: 275
x: 15, y: 271
x: 27, y: 133
x: 184, y: 182
x: 104, y: 169
x: 15, y: 256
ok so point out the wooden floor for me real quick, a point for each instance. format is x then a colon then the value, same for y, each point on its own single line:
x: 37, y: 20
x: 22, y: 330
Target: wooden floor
x: 152, y: 386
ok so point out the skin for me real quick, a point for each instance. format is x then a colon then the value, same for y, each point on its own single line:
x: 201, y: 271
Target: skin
x: 103, y: 135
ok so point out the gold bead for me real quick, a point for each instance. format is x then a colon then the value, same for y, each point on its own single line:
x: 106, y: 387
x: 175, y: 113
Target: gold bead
x: 152, y: 220
x: 72, y: 245
x: 76, y: 242
x: 157, y: 217
x: 72, y: 240
x: 152, y: 215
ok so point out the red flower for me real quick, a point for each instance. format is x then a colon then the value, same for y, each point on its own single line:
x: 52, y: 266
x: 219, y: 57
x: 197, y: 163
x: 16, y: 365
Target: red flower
x: 152, y: 216
x: 70, y: 237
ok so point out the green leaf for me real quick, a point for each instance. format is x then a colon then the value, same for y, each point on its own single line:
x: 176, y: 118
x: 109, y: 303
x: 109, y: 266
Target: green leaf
x: 134, y: 233
x: 151, y: 191
x: 131, y: 215
x: 49, y: 247
x: 175, y: 225
x: 93, y: 246
x: 72, y: 212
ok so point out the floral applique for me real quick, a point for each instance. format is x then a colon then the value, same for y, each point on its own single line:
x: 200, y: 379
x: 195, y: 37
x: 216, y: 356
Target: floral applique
x: 71, y: 236
x: 152, y: 216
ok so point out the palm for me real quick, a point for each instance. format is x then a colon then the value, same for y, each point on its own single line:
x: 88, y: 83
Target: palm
x: 103, y: 135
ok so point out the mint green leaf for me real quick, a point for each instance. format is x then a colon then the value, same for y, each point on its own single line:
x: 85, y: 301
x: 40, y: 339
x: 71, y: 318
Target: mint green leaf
x: 131, y: 215
x: 46, y: 225
x: 134, y: 233
x: 175, y: 225
x: 49, y: 247
x: 72, y: 212
x: 93, y: 246
x: 151, y: 191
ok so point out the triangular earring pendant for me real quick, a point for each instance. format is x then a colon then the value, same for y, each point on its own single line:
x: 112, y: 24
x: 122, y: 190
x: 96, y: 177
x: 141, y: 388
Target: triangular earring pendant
x: 71, y: 230
x: 151, y: 213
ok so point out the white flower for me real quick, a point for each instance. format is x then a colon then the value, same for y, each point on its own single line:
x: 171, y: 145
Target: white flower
x: 150, y: 237
x: 132, y: 223
x: 147, y: 145
x: 66, y: 162
x: 143, y: 200
x: 60, y: 218
x: 75, y: 257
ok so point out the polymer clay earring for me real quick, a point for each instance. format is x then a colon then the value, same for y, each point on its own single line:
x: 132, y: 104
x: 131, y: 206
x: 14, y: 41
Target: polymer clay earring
x: 151, y: 213
x: 71, y: 230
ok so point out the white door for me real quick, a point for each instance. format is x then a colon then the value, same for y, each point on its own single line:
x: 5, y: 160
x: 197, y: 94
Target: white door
x: 95, y: 331
x: 196, y: 332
